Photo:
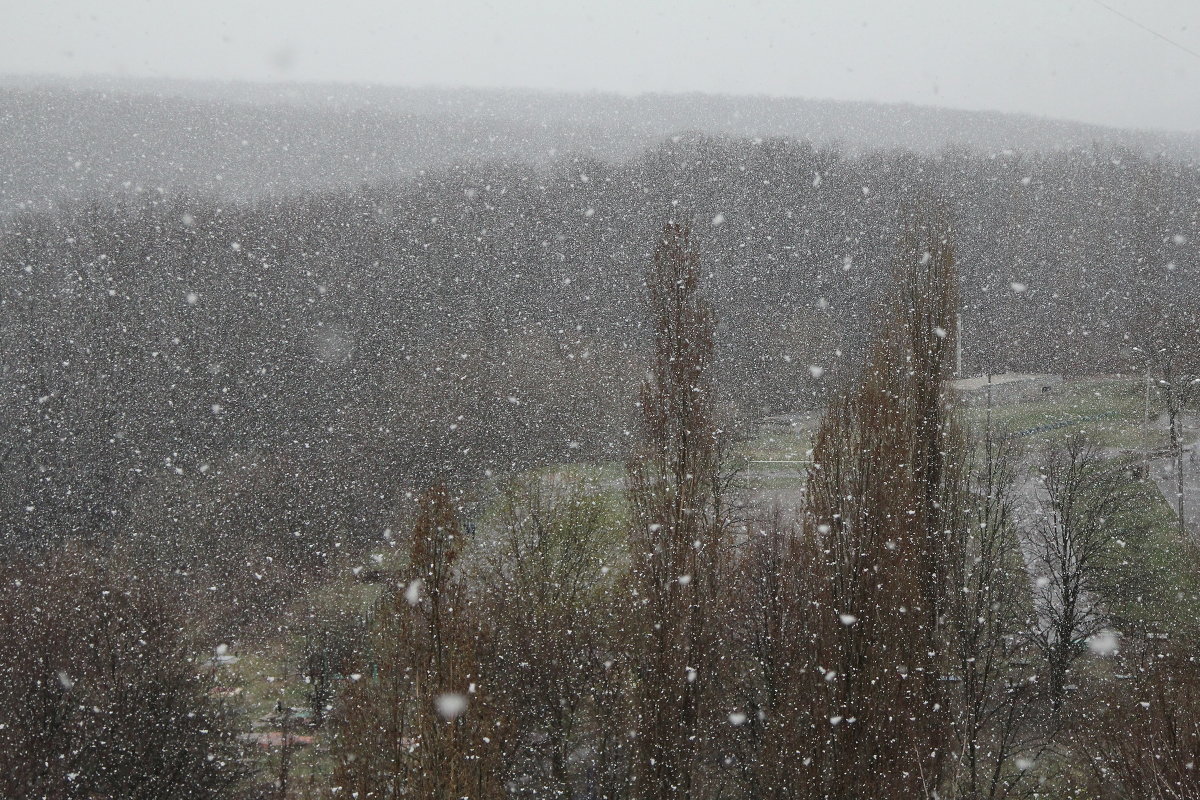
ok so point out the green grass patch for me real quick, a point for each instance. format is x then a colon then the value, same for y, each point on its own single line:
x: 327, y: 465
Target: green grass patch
x: 778, y: 442
x: 1151, y: 582
x: 1110, y: 409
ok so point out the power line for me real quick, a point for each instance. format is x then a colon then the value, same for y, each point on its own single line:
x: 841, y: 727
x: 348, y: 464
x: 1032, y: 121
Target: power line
x: 1150, y: 31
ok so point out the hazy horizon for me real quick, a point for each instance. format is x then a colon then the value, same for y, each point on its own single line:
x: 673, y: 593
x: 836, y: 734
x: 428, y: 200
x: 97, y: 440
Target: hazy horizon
x: 1087, y: 61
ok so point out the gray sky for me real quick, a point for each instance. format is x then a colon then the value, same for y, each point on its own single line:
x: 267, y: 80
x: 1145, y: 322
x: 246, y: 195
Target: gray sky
x: 1063, y: 58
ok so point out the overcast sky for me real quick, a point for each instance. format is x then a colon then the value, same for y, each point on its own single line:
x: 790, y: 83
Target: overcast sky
x: 1063, y: 58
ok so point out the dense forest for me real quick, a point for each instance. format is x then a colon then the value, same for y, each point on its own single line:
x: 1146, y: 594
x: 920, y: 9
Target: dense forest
x: 502, y: 404
x: 487, y: 317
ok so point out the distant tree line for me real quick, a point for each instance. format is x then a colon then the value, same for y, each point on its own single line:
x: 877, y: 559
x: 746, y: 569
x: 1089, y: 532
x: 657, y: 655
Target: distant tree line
x: 71, y: 138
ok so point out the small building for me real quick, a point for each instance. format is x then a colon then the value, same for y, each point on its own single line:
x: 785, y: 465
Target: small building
x: 1007, y: 387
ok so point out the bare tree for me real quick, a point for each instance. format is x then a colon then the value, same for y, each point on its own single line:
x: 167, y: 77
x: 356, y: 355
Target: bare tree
x: 1145, y: 735
x: 332, y: 641
x: 775, y: 613
x: 100, y: 693
x: 1167, y: 337
x: 286, y: 749
x: 991, y: 698
x: 1085, y: 493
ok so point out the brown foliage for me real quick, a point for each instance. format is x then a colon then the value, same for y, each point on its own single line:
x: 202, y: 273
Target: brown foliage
x: 880, y: 500
x: 419, y: 721
x: 99, y: 694
x: 1146, y: 738
x: 677, y: 527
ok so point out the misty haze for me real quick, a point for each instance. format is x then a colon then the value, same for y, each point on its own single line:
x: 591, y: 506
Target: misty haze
x: 627, y: 401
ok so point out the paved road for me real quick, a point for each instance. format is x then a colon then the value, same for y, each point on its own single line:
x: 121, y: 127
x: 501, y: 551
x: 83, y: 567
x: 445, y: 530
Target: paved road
x: 1029, y: 517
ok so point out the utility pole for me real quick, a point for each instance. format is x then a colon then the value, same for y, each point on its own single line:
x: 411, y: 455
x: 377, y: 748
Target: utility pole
x: 989, y: 404
x: 1146, y: 429
x: 958, y: 334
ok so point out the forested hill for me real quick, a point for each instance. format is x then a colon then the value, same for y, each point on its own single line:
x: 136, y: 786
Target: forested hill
x: 328, y: 349
x: 62, y: 139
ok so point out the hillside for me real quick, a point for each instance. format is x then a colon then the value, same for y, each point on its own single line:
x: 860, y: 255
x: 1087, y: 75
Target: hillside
x: 67, y: 139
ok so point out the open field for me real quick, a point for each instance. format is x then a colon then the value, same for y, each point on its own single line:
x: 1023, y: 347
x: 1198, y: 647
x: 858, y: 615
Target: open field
x: 1110, y: 409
